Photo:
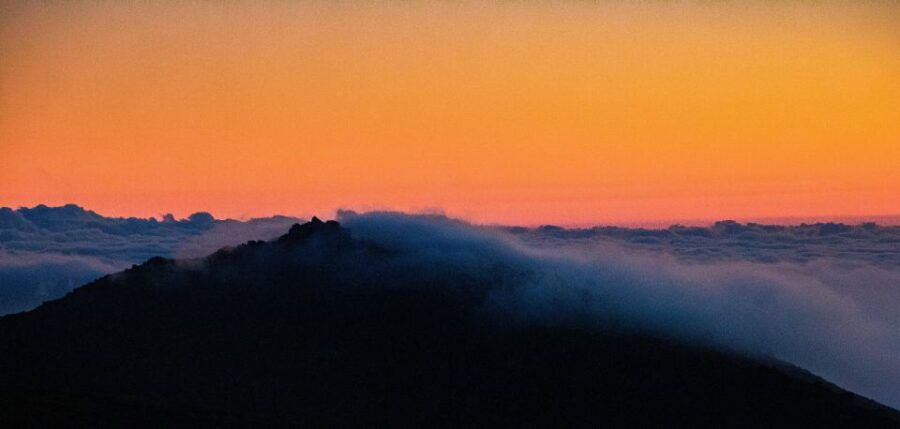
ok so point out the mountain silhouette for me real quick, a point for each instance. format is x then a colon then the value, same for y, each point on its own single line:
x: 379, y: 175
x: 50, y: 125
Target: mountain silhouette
x: 318, y: 327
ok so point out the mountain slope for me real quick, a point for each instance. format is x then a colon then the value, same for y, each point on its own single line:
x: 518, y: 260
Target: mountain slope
x: 318, y: 327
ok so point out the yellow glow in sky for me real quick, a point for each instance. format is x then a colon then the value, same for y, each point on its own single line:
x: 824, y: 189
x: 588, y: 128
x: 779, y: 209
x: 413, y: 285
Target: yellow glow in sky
x: 516, y: 112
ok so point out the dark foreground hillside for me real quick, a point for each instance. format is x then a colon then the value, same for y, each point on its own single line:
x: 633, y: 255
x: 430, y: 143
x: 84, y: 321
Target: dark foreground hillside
x: 319, y: 328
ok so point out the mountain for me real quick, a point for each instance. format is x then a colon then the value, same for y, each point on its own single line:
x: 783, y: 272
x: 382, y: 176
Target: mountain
x: 46, y: 251
x: 319, y: 327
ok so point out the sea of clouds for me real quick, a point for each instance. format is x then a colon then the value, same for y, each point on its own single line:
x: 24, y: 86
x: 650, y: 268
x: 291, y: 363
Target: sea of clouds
x: 823, y: 297
x: 47, y: 251
x: 834, y: 313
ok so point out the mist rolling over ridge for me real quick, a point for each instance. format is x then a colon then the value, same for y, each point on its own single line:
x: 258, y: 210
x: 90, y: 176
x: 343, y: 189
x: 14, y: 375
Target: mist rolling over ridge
x: 834, y: 317
x: 553, y: 214
x: 823, y: 298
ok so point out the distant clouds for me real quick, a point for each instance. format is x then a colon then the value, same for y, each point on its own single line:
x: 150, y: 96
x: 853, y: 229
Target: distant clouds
x: 29, y: 278
x: 822, y: 296
x: 733, y: 241
x: 45, y: 251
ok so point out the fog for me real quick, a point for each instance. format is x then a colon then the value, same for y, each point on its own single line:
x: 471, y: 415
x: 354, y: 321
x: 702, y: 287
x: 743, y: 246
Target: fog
x: 837, y: 319
x: 823, y: 297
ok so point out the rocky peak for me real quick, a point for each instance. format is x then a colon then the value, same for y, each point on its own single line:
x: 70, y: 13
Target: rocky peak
x: 299, y: 233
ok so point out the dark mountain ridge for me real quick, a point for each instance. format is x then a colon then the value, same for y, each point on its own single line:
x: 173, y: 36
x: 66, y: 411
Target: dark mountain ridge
x: 318, y: 327
x: 46, y: 251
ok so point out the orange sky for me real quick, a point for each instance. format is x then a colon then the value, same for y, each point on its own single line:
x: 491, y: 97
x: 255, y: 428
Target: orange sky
x: 568, y: 112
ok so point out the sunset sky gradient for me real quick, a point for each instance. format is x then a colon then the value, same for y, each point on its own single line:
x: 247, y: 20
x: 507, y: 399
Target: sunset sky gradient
x: 518, y: 112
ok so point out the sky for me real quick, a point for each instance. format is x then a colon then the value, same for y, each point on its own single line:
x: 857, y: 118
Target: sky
x: 516, y: 112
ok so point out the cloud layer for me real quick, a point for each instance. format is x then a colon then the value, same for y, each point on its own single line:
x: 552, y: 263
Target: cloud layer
x: 822, y: 296
x: 835, y: 318
x: 46, y: 251
x: 866, y: 243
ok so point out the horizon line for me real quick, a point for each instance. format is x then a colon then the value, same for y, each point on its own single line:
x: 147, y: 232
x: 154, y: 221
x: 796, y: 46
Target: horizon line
x: 880, y: 219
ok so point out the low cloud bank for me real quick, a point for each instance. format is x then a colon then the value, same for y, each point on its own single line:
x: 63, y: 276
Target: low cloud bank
x: 835, y: 318
x: 27, y: 278
x: 47, y: 251
x: 867, y: 243
x: 823, y: 297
